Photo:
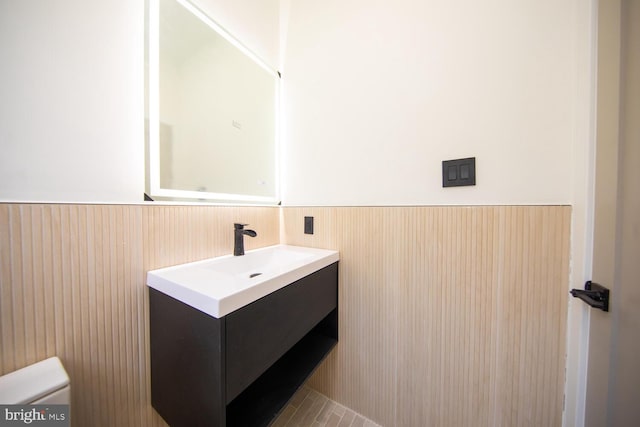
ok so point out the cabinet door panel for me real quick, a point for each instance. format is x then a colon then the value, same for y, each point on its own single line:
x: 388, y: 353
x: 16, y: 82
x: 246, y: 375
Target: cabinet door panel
x: 259, y: 334
x: 187, y: 367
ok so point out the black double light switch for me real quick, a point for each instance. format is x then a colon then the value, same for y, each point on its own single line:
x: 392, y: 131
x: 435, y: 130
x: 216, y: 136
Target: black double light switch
x: 459, y: 172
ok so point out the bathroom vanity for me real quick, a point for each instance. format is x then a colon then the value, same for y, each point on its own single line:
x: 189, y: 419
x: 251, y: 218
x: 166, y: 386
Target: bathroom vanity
x: 233, y: 338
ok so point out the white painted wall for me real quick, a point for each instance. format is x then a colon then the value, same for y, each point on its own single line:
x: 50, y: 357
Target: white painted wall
x: 71, y: 105
x: 379, y: 93
x: 72, y: 93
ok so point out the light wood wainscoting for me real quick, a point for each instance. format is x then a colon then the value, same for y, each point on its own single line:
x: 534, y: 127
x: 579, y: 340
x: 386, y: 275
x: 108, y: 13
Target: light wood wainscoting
x: 72, y: 284
x: 449, y: 316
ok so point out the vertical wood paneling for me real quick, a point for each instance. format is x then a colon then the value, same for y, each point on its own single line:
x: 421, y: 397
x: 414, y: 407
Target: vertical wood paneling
x: 72, y: 284
x: 448, y: 315
x: 178, y: 234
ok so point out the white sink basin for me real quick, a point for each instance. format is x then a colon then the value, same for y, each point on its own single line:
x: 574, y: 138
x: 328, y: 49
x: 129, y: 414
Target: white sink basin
x: 218, y: 286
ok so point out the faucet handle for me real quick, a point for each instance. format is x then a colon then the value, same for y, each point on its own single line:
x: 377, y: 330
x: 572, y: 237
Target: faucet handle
x: 239, y: 226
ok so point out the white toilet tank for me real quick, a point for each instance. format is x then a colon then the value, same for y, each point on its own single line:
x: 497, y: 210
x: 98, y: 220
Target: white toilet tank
x: 43, y: 383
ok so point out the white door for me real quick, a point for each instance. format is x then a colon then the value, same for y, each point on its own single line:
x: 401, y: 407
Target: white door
x: 613, y: 377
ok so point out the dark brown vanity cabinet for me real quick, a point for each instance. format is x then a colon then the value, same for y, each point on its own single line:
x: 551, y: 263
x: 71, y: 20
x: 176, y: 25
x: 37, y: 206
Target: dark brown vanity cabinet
x: 241, y: 369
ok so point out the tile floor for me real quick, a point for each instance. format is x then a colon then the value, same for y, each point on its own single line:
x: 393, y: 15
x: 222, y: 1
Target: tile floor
x: 308, y: 408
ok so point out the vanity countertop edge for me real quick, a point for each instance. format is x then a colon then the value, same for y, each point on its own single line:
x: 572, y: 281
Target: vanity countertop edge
x: 235, y: 293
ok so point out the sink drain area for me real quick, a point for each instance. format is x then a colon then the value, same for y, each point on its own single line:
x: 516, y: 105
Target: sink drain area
x: 252, y: 275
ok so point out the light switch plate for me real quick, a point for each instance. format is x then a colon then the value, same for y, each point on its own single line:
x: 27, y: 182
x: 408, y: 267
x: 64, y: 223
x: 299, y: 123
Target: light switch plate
x: 308, y: 225
x: 459, y: 172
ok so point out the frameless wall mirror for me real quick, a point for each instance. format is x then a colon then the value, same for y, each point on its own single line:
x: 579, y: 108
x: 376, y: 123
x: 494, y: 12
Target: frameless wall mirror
x: 212, y: 111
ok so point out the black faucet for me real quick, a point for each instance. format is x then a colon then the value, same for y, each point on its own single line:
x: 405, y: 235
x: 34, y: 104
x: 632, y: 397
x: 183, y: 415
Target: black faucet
x: 238, y: 241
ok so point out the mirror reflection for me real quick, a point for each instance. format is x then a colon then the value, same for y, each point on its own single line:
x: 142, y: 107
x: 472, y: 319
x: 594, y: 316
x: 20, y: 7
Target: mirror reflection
x: 212, y: 111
